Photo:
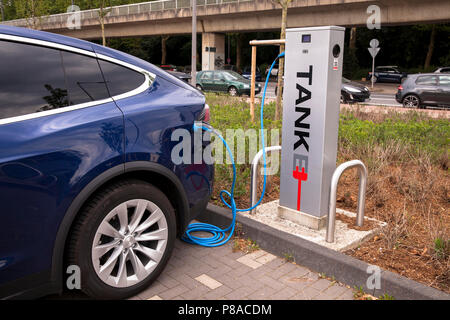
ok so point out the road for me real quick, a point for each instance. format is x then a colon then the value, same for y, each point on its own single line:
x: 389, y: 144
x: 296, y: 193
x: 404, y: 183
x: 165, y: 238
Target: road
x: 381, y: 99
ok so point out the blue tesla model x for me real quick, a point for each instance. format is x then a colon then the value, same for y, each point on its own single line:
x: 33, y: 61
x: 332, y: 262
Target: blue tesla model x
x: 86, y: 177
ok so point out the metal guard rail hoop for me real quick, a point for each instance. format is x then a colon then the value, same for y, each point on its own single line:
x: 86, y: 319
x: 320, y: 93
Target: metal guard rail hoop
x: 331, y: 224
x: 254, y: 174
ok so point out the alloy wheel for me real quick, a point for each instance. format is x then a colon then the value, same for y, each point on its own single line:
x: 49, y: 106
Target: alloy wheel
x: 129, y: 243
x: 411, y: 102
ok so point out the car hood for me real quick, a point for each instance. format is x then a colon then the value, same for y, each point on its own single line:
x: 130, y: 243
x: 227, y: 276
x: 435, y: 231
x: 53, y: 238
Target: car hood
x: 354, y: 85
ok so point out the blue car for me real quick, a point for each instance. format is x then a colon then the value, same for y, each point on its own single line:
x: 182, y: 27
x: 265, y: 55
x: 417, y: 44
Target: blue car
x: 88, y: 187
x: 247, y: 74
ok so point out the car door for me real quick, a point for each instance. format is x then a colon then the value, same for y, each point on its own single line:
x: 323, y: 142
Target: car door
x: 219, y: 82
x: 59, y: 129
x: 207, y: 81
x: 427, y: 89
x: 392, y: 75
x: 444, y: 90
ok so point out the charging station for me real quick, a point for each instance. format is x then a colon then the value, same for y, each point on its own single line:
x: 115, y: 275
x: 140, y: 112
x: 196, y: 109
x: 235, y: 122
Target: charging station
x: 311, y: 100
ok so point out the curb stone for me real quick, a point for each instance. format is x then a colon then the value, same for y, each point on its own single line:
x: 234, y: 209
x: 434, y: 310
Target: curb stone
x: 345, y: 269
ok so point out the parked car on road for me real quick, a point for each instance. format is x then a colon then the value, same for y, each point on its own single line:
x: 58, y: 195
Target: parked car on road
x: 168, y: 67
x: 350, y: 91
x: 186, y: 77
x: 387, y: 74
x: 421, y: 90
x: 225, y: 81
x: 443, y: 70
x: 86, y: 173
x: 274, y: 72
x: 247, y: 73
x: 353, y: 91
x: 229, y: 67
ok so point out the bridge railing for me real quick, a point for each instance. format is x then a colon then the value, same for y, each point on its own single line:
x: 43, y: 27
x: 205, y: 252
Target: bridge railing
x: 124, y: 10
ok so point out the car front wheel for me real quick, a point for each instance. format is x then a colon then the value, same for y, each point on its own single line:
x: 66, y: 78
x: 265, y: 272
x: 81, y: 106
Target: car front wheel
x: 199, y: 87
x: 123, y: 239
x: 233, y: 91
x: 411, y: 101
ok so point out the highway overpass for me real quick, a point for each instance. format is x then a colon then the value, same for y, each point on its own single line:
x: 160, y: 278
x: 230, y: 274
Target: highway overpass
x: 216, y: 17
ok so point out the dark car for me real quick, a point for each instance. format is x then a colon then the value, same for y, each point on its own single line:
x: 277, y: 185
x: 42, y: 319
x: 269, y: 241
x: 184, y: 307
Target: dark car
x: 225, y: 81
x: 387, y: 74
x: 247, y: 74
x: 426, y: 89
x: 168, y: 67
x: 353, y: 91
x: 186, y: 77
x: 87, y: 177
x: 229, y: 67
x: 350, y: 91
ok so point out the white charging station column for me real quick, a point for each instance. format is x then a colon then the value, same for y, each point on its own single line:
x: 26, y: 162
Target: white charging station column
x: 311, y: 99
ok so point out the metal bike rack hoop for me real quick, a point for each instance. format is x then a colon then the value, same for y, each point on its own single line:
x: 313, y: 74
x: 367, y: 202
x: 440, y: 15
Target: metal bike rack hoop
x: 331, y: 224
x: 254, y: 175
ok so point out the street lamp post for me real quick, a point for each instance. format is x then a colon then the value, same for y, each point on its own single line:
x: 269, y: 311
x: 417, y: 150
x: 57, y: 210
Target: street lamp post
x: 194, y: 44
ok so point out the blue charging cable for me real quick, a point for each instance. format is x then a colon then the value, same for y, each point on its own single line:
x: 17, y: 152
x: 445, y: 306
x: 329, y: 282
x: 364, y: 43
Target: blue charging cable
x: 218, y: 235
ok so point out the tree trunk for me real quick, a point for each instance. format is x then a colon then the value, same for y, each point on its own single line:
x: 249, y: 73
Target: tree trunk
x: 281, y: 61
x: 430, y: 48
x: 239, y: 40
x: 164, y: 49
x: 2, y: 12
x: 102, y: 24
x: 352, y: 44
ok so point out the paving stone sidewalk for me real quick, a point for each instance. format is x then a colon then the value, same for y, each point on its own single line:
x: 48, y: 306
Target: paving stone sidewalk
x: 199, y: 273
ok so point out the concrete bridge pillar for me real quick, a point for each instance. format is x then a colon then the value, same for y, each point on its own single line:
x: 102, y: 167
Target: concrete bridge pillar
x: 213, y: 51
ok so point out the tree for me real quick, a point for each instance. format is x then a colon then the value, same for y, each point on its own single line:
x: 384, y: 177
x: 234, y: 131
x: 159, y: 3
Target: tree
x: 239, y: 43
x: 430, y: 48
x: 32, y: 11
x: 284, y: 7
x: 164, y: 49
x: 2, y: 11
x: 103, y: 11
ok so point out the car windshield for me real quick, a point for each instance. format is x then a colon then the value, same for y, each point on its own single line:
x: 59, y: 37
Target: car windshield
x: 345, y: 80
x: 231, y: 75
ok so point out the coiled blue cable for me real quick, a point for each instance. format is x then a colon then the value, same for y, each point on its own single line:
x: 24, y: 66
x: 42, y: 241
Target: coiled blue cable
x: 218, y: 235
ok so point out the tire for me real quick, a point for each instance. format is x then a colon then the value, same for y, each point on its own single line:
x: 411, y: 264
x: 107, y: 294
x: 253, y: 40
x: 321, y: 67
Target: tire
x: 199, y: 87
x: 343, y: 99
x: 411, y: 101
x: 233, y: 91
x: 375, y: 79
x: 129, y: 244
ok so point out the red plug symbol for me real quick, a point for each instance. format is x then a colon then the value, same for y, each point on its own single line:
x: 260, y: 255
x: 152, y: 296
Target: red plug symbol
x: 300, y: 176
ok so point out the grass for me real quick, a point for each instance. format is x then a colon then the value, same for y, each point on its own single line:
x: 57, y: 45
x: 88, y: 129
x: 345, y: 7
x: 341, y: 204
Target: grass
x: 407, y: 155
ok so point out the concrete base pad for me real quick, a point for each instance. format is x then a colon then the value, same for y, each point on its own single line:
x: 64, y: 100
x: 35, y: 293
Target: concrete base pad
x: 346, y: 238
x: 302, y: 218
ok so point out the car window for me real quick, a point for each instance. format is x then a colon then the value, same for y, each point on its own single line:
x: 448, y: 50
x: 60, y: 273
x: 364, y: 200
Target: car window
x: 85, y: 82
x: 32, y: 79
x: 444, y: 81
x: 231, y: 75
x: 445, y: 70
x: 120, y: 79
x: 218, y: 76
x: 206, y: 76
x: 427, y: 80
